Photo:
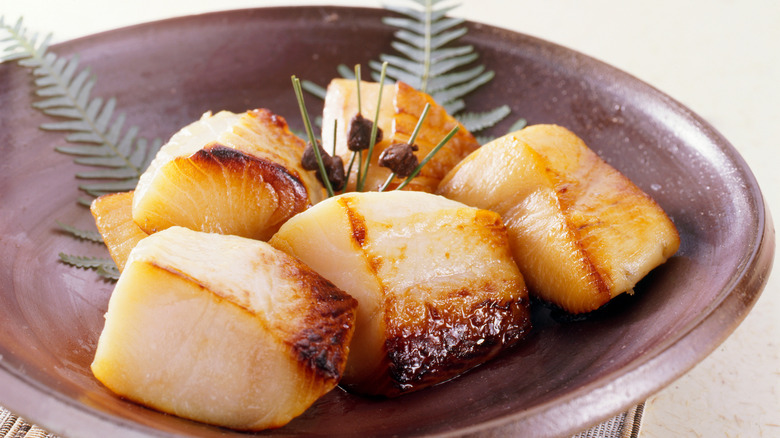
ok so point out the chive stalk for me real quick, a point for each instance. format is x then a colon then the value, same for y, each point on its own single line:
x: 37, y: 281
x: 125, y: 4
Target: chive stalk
x: 310, y: 132
x: 362, y: 182
x: 428, y: 157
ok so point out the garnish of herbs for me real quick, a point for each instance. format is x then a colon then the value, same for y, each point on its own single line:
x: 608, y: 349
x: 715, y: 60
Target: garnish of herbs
x: 427, y: 57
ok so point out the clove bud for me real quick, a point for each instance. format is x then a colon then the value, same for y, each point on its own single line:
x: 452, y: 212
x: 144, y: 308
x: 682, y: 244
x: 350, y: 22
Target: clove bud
x: 400, y: 158
x: 359, y: 135
x: 334, y: 166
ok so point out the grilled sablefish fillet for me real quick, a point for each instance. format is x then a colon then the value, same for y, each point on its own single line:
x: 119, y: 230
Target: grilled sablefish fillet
x: 400, y: 109
x: 222, y: 329
x: 114, y: 220
x: 581, y: 232
x: 437, y: 288
x: 227, y: 173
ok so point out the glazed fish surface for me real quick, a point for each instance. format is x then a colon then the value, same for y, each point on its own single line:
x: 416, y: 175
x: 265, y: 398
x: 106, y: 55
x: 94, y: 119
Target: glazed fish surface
x: 227, y: 173
x: 399, y: 111
x: 580, y: 231
x: 437, y: 288
x: 222, y: 329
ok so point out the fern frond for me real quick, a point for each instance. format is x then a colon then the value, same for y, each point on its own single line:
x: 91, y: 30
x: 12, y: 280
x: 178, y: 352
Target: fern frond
x: 104, y: 267
x: 414, y: 68
x: 108, y: 271
x: 451, y: 64
x: 97, y: 132
x: 422, y: 33
x: 92, y: 236
x: 87, y: 262
x: 314, y: 89
x: 84, y: 201
x: 346, y: 72
x: 452, y: 93
x: 444, y: 82
x: 102, y: 188
x: 412, y: 80
x: 424, y: 63
x: 121, y: 173
x: 98, y: 161
x: 518, y: 125
x: 418, y: 15
x: 476, y: 122
x: 484, y: 139
x: 435, y: 41
x: 428, y: 61
x: 85, y: 150
x: 455, y: 106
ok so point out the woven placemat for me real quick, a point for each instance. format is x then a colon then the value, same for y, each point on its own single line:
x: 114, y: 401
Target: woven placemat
x: 625, y: 425
x: 12, y: 426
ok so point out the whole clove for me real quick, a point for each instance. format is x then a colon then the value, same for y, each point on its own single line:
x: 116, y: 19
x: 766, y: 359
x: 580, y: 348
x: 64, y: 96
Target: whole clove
x: 400, y: 158
x: 334, y: 166
x: 359, y: 135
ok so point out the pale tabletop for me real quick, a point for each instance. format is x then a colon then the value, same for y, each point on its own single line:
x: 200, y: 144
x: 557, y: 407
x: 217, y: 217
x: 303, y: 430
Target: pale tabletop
x: 721, y: 58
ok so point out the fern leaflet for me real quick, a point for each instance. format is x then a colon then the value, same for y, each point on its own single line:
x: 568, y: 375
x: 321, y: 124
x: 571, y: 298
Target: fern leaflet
x: 428, y: 62
x: 104, y: 267
x: 476, y: 122
x: 89, y: 235
x: 99, y: 137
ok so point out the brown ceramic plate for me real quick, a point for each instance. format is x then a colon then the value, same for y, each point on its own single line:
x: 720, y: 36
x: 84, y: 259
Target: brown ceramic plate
x: 568, y: 375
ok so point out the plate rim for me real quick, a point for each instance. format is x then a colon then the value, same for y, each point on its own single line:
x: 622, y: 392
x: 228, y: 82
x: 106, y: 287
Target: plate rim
x: 761, y: 258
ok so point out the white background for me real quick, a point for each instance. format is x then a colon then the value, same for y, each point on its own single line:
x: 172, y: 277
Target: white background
x: 721, y: 58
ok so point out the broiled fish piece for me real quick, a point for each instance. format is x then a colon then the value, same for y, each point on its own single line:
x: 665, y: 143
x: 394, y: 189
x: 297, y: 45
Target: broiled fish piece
x: 437, y: 288
x: 114, y: 219
x: 223, y: 330
x: 580, y: 231
x: 400, y: 109
x: 227, y: 173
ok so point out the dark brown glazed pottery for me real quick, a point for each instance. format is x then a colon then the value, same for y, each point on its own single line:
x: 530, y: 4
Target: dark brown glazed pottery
x: 568, y: 375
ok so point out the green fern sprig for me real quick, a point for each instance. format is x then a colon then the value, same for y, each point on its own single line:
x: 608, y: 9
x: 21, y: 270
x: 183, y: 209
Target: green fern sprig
x: 423, y: 34
x: 88, y: 235
x: 476, y: 122
x: 97, y: 135
x: 430, y: 62
x: 104, y: 267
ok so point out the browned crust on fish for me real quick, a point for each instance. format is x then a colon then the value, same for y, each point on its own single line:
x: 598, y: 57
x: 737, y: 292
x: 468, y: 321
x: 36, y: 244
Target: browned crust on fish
x: 452, y: 340
x: 288, y: 196
x: 292, y: 196
x: 357, y: 223
x: 459, y: 330
x: 321, y: 346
